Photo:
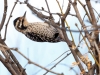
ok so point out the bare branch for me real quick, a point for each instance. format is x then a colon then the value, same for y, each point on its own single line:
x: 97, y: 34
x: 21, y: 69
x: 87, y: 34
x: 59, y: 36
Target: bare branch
x: 9, y: 20
x: 48, y: 7
x: 60, y: 56
x: 31, y: 62
x: 11, y: 70
x: 4, y: 14
x: 67, y: 11
x: 57, y: 63
x: 91, y: 12
x: 12, y: 61
x: 16, y: 62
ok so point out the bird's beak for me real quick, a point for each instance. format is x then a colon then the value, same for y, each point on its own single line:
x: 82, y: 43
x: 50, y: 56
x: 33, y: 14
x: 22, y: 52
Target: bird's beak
x: 24, y: 14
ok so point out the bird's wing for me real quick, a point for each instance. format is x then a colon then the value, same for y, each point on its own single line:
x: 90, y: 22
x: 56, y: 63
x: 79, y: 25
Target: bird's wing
x: 35, y: 37
x: 43, y: 29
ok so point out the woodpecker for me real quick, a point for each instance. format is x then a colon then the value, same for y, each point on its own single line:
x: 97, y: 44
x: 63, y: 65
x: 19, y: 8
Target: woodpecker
x: 37, y: 31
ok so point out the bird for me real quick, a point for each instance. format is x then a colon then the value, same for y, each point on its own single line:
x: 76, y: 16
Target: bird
x: 37, y: 31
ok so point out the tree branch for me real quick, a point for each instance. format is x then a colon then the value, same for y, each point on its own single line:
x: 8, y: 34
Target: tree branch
x: 58, y: 63
x: 4, y: 14
x: 9, y: 20
x: 11, y: 70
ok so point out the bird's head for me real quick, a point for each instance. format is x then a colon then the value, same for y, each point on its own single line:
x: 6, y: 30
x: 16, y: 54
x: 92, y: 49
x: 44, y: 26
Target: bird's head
x: 21, y: 22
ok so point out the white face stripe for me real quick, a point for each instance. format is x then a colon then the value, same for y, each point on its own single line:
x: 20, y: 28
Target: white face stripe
x: 19, y: 23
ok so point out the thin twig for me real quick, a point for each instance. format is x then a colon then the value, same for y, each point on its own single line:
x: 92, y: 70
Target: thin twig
x: 60, y: 56
x: 63, y: 24
x: 97, y: 14
x: 67, y: 11
x: 47, y: 11
x: 31, y: 62
x: 62, y: 5
x: 9, y: 20
x: 72, y: 14
x: 57, y: 63
x: 4, y: 14
x: 81, y: 26
x: 84, y: 6
x: 48, y: 8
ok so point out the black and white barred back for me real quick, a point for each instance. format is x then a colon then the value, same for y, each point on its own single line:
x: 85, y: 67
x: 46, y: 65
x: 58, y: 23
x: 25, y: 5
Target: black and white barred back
x: 37, y: 31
